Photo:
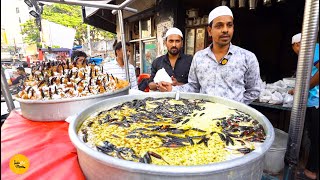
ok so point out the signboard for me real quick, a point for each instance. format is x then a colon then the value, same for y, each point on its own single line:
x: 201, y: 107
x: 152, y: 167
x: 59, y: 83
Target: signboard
x: 162, y: 28
x: 57, y: 35
x: 150, y: 49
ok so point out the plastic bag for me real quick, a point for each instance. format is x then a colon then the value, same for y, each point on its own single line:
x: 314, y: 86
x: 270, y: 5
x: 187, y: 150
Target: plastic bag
x: 276, y: 98
x: 162, y: 75
x: 265, y: 96
x: 287, y: 100
x: 263, y: 85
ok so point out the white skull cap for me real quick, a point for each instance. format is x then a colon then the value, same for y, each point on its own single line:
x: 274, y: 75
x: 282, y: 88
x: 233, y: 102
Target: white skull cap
x: 219, y: 11
x: 296, y: 38
x: 173, y: 31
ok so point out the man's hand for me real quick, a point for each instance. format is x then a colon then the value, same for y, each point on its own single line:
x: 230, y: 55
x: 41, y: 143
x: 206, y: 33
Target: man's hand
x: 175, y: 82
x: 153, y: 86
x: 291, y: 91
x: 164, y: 86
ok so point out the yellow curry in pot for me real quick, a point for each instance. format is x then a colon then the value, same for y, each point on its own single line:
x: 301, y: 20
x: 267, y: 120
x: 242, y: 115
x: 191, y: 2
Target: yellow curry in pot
x: 166, y: 131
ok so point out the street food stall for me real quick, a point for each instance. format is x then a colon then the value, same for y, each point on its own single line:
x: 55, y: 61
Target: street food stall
x: 32, y: 147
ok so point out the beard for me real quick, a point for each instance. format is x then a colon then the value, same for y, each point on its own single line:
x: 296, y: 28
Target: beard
x: 174, y: 51
x: 224, y: 40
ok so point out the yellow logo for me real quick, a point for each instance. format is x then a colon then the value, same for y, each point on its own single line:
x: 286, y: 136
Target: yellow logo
x: 19, y: 164
x: 224, y: 61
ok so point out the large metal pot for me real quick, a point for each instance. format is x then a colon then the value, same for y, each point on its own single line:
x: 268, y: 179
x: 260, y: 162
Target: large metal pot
x: 96, y: 165
x: 59, y: 110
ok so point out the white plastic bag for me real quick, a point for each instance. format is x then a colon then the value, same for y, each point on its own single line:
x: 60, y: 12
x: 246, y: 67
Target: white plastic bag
x: 276, y: 98
x: 271, y: 88
x: 263, y: 85
x: 265, y: 96
x: 162, y: 75
x: 287, y: 100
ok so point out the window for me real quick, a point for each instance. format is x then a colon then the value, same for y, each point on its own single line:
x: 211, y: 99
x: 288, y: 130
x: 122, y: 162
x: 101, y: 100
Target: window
x: 19, y: 20
x: 196, y: 39
x: 143, y: 38
x: 17, y: 10
x: 146, y: 28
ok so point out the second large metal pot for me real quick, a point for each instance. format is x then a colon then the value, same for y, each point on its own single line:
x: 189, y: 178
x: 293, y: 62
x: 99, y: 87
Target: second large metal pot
x: 96, y: 165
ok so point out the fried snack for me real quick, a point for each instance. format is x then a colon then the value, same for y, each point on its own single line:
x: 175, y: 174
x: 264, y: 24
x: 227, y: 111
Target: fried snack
x: 58, y: 80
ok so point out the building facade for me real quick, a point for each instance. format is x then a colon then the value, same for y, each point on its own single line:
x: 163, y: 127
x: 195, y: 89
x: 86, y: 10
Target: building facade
x: 13, y: 14
x: 264, y: 29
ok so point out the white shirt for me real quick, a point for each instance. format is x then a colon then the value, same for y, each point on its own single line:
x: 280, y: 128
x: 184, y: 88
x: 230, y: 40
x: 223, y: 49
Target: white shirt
x: 116, y: 70
x: 238, y: 80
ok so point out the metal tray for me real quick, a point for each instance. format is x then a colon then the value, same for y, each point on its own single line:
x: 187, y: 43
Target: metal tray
x: 59, y: 110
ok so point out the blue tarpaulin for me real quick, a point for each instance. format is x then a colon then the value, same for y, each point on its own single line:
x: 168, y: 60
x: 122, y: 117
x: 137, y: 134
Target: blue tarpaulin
x: 96, y: 60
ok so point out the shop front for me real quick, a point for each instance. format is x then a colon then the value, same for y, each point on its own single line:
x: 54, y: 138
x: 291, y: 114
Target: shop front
x: 265, y: 29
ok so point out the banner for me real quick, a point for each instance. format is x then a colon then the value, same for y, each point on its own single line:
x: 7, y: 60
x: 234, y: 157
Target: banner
x: 57, y: 35
x: 4, y: 38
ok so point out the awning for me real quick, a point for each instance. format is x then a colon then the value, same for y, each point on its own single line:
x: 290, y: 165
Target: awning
x: 100, y: 18
x: 104, y: 19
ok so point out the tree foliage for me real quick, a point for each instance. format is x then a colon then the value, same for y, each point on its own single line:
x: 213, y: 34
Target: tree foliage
x: 69, y: 16
x: 30, y: 32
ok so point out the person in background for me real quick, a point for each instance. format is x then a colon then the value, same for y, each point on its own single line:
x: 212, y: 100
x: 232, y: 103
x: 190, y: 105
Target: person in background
x: 78, y: 58
x: 117, y: 69
x: 25, y: 65
x: 137, y: 71
x: 312, y: 114
x: 21, y: 76
x: 60, y: 57
x: 222, y: 69
x: 175, y: 63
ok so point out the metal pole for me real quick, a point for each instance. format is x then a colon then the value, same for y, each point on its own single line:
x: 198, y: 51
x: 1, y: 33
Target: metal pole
x: 89, y: 41
x: 92, y: 4
x: 41, y: 33
x: 5, y: 91
x: 141, y: 49
x: 309, y: 35
x: 123, y: 5
x: 123, y: 42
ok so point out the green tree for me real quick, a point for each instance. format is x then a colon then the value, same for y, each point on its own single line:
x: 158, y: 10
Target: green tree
x: 69, y: 16
x: 30, y: 32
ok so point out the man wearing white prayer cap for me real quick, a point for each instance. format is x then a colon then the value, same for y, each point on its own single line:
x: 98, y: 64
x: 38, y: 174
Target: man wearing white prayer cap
x: 173, y: 31
x: 296, y: 43
x: 312, y: 114
x: 175, y: 63
x: 222, y: 69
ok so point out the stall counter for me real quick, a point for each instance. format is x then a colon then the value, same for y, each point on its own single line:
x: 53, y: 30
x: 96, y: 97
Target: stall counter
x: 46, y: 146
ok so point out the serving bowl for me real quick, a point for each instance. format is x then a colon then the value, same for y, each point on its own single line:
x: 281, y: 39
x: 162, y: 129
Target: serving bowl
x: 60, y: 109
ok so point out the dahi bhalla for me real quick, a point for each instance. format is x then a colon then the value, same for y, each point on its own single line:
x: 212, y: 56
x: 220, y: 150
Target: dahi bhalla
x: 58, y: 80
x: 166, y: 131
